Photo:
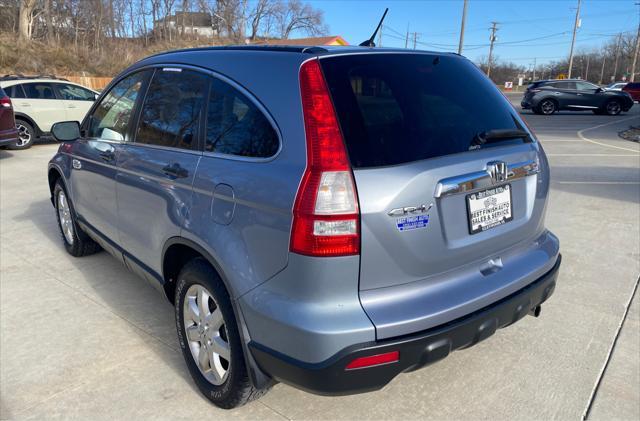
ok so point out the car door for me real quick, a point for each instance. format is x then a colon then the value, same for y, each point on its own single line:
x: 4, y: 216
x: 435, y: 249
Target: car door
x: 156, y: 169
x: 41, y: 104
x: 76, y: 99
x: 93, y: 172
x: 588, y: 95
x: 565, y: 93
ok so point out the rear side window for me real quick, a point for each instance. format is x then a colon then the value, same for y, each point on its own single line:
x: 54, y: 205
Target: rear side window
x: 171, y: 111
x: 399, y: 108
x: 110, y: 119
x: 73, y: 92
x: 235, y: 126
x: 39, y: 91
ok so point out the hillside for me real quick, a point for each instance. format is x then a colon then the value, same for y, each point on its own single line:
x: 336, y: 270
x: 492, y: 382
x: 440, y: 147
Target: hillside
x: 36, y: 57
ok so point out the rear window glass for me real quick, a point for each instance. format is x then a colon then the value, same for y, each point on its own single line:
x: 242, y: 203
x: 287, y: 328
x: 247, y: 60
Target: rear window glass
x: 399, y: 108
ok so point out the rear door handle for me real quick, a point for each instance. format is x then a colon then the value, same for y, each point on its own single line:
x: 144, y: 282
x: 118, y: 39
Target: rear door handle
x: 71, y: 106
x: 175, y: 171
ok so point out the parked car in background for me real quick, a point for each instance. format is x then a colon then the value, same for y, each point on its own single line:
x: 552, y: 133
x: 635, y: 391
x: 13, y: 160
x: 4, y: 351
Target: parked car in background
x: 615, y: 86
x: 548, y: 96
x: 8, y: 131
x: 39, y: 102
x: 354, y: 215
x: 633, y: 89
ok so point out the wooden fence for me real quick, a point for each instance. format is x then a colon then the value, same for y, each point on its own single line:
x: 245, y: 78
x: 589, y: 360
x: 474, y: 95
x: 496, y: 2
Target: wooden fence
x: 95, y: 83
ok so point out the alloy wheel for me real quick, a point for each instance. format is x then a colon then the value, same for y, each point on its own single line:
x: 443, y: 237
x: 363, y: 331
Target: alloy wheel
x: 547, y: 107
x: 206, y: 333
x: 24, y: 135
x: 613, y: 108
x: 64, y: 213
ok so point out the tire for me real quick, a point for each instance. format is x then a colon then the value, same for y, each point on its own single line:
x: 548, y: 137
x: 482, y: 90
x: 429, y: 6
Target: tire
x: 26, y: 136
x: 612, y: 107
x: 547, y: 107
x: 76, y: 242
x: 227, y: 384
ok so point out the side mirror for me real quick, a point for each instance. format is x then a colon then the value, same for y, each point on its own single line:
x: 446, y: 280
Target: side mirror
x: 599, y: 90
x: 95, y: 97
x: 66, y: 131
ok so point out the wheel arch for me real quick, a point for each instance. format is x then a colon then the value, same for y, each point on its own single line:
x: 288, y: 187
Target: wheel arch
x: 176, y: 252
x: 32, y: 123
x: 53, y: 175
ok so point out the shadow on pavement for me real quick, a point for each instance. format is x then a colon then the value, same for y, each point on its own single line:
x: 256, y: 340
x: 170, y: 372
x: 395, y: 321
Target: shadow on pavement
x: 104, y: 279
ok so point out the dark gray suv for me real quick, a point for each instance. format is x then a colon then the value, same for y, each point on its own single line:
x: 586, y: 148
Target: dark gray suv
x: 324, y: 217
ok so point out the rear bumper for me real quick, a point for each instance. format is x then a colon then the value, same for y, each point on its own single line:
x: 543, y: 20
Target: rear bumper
x: 330, y: 377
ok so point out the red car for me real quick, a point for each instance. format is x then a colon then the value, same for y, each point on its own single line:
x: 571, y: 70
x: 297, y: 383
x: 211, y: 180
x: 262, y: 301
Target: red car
x: 8, y: 131
x: 633, y: 89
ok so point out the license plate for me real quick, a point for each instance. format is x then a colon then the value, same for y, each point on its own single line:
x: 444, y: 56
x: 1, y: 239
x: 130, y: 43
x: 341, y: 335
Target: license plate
x: 489, y: 208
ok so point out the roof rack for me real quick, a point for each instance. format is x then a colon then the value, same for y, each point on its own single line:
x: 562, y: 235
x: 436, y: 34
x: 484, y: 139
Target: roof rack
x: 19, y: 76
x: 279, y: 48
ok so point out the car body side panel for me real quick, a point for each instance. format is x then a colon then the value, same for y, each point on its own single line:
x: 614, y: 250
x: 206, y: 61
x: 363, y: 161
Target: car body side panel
x: 152, y: 206
x: 242, y: 215
x: 309, y: 311
x: 93, y: 184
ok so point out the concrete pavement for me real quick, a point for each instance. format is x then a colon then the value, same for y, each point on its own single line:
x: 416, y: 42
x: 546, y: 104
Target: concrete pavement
x: 85, y: 339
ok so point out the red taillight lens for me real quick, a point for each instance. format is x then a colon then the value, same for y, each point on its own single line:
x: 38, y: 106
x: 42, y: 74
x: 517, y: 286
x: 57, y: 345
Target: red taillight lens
x: 386, y: 358
x: 325, y: 213
x: 5, y: 102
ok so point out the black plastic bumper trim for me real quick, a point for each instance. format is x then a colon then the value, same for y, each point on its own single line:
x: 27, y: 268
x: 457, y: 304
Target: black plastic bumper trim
x: 329, y: 377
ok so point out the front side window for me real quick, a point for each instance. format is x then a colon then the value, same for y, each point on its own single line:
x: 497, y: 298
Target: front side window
x: 16, y: 91
x: 171, y: 111
x: 586, y: 86
x: 74, y: 92
x: 235, y: 126
x: 110, y: 118
x: 39, y: 91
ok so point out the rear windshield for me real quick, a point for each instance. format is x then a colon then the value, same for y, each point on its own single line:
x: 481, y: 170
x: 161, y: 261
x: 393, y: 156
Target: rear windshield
x: 399, y: 108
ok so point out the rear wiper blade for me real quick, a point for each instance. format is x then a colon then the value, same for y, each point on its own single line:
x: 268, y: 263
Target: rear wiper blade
x: 497, y: 134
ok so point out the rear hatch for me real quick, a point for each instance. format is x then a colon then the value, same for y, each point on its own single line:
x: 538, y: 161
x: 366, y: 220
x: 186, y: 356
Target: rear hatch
x: 432, y: 197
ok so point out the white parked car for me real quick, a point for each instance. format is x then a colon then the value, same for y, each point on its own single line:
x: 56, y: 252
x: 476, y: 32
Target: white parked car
x: 39, y: 102
x: 615, y: 86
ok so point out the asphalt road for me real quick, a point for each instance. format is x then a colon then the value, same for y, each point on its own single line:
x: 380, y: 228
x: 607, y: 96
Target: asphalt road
x: 85, y: 339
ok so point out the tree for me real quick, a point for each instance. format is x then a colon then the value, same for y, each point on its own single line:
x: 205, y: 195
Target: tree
x: 26, y: 18
x: 295, y: 15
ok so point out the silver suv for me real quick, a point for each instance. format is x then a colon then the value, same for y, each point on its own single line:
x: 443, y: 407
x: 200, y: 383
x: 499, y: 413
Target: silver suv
x: 324, y: 217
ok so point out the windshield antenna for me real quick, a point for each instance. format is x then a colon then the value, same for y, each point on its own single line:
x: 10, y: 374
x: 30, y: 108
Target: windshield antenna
x: 369, y: 42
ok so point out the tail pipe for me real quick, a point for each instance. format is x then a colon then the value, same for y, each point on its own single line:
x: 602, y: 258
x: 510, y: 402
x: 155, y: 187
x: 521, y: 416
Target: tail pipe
x: 535, y: 311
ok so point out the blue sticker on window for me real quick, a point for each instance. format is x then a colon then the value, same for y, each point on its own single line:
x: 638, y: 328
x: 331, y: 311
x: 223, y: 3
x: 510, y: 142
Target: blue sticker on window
x: 409, y: 223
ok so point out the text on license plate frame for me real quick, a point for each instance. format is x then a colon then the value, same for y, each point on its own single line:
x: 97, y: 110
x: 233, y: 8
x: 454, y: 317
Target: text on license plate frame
x: 480, y: 227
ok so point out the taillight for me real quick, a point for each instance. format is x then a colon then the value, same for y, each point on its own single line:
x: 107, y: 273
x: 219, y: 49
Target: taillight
x: 5, y: 102
x: 325, y: 213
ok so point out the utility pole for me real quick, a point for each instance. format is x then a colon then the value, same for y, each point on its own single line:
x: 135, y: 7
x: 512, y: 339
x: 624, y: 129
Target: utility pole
x: 406, y: 40
x: 416, y: 35
x: 534, y: 69
x: 586, y: 72
x: 492, y: 39
x: 464, y: 18
x: 604, y: 60
x: 573, y: 40
x: 380, y: 36
x: 615, y: 66
x: 635, y: 54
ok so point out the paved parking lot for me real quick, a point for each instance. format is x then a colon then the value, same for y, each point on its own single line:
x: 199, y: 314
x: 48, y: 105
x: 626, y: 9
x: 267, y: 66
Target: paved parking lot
x: 84, y: 338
